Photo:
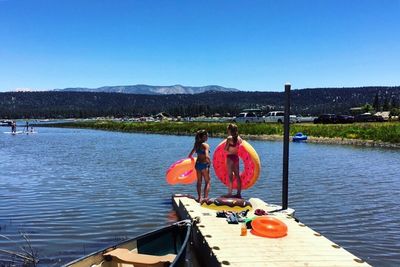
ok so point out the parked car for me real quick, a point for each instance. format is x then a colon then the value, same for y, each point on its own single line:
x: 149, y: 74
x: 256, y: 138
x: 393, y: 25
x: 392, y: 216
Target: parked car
x: 248, y: 117
x: 295, y: 119
x: 368, y: 117
x: 279, y: 117
x: 344, y: 119
x: 300, y: 118
x: 326, y: 118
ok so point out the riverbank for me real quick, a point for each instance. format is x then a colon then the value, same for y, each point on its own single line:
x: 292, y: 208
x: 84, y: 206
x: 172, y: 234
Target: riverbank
x: 359, y: 134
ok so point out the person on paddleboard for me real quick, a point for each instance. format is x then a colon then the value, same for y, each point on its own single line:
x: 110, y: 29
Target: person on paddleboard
x: 13, y: 127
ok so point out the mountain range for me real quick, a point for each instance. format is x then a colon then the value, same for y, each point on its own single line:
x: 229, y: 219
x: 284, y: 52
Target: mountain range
x: 144, y: 89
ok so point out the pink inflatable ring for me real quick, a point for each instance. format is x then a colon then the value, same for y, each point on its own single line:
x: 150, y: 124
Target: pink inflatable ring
x: 251, y: 163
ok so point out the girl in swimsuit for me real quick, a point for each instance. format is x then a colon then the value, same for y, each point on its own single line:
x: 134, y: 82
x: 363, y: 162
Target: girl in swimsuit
x: 203, y: 162
x: 232, y: 159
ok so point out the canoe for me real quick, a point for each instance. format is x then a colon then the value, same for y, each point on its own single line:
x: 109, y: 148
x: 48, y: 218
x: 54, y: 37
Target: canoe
x: 163, y: 247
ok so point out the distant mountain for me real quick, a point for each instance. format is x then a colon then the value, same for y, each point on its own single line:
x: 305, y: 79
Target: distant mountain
x: 144, y: 89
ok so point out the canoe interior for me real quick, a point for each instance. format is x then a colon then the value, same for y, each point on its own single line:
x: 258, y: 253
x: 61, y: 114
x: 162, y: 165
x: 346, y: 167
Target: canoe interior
x: 169, y: 240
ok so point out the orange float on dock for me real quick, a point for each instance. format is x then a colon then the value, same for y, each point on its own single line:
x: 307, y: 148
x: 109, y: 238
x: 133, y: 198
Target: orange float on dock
x: 267, y: 226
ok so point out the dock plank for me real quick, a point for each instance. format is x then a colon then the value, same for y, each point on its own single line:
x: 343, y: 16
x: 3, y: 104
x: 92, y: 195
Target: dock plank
x: 222, y: 245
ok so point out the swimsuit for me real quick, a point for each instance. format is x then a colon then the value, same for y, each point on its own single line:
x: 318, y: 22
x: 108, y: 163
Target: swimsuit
x: 201, y: 165
x: 233, y: 157
x: 200, y: 151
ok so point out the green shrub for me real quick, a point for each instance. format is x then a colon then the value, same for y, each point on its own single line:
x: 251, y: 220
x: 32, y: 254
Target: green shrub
x: 386, y: 132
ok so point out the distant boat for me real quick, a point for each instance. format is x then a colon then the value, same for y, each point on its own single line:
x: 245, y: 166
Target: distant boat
x: 5, y: 123
x: 298, y: 137
x: 163, y: 247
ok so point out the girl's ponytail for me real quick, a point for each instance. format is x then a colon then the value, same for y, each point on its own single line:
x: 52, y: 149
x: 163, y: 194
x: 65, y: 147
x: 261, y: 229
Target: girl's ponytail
x: 233, y: 129
x: 199, y: 138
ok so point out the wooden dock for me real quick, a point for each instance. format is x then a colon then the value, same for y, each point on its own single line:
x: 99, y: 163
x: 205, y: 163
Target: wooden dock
x: 220, y: 244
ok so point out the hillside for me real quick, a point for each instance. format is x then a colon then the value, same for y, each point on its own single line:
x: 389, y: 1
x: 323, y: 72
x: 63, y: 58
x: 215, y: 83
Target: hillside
x: 92, y: 104
x: 152, y: 90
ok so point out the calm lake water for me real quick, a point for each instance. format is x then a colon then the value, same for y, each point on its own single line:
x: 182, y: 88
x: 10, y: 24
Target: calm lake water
x: 76, y: 191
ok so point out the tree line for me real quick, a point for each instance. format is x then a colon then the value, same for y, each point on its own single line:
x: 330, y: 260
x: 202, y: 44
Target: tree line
x: 55, y: 104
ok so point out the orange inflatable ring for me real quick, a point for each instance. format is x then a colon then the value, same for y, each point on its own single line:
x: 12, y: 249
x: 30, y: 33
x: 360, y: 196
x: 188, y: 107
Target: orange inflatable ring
x: 182, y: 172
x: 251, y: 163
x: 267, y: 226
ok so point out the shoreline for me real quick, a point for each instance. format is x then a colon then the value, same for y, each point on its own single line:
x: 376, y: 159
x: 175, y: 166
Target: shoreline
x: 331, y: 141
x: 261, y: 137
x: 320, y: 140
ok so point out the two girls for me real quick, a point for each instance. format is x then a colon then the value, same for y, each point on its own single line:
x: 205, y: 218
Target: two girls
x: 203, y: 161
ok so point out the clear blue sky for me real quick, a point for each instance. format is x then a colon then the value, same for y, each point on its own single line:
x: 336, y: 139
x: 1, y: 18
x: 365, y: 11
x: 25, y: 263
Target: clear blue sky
x: 249, y: 45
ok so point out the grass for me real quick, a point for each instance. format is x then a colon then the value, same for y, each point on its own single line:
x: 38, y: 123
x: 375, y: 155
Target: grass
x: 24, y: 256
x: 385, y: 132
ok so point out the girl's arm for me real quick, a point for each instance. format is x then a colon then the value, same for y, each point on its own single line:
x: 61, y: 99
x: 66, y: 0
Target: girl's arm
x: 227, y: 142
x: 240, y: 139
x: 191, y: 152
x: 207, y: 150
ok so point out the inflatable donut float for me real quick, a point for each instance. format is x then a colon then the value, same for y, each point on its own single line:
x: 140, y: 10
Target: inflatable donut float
x: 267, y: 226
x: 228, y: 204
x: 251, y: 163
x: 182, y: 172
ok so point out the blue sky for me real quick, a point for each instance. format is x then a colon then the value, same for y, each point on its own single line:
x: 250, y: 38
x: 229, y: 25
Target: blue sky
x: 249, y: 45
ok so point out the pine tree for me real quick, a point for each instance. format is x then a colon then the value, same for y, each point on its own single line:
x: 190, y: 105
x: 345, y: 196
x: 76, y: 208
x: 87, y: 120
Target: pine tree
x: 376, y: 104
x: 385, y: 106
x: 367, y: 108
x: 393, y: 103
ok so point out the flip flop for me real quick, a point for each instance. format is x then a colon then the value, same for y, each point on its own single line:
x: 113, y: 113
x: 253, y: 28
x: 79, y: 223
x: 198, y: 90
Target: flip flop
x: 222, y: 214
x: 244, y: 213
x: 232, y: 219
x: 260, y: 212
x: 241, y: 219
x: 248, y: 222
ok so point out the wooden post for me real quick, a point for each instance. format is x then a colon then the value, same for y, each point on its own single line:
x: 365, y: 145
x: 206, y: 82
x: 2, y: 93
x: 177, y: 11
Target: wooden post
x: 285, y: 180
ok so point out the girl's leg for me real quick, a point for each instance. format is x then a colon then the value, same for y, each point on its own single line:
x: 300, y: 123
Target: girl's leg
x: 199, y: 178
x: 207, y: 185
x: 230, y: 173
x: 239, y: 181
